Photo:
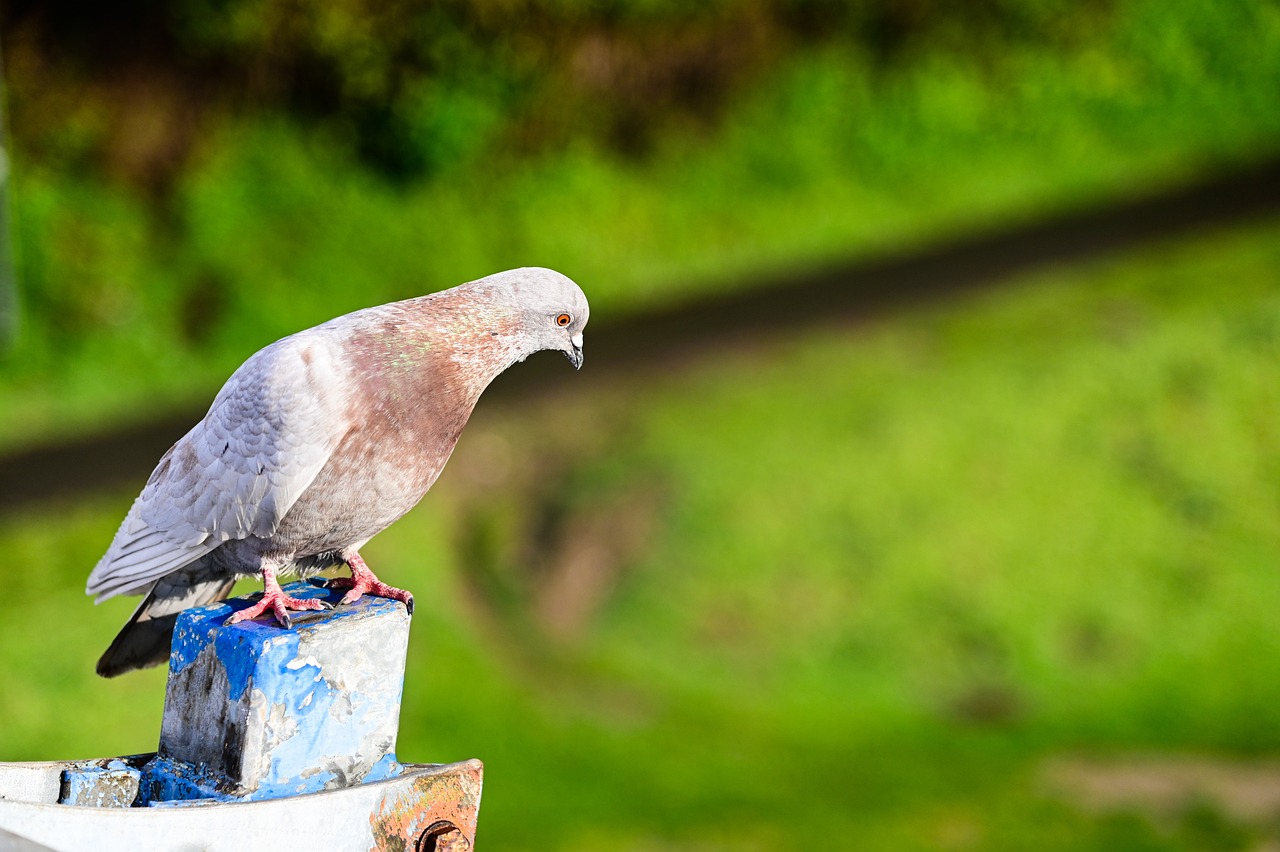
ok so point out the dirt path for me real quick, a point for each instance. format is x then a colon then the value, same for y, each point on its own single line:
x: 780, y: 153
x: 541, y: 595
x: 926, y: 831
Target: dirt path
x: 654, y: 342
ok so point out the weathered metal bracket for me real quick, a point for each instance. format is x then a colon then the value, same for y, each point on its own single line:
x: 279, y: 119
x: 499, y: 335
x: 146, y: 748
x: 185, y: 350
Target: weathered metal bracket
x: 427, y: 807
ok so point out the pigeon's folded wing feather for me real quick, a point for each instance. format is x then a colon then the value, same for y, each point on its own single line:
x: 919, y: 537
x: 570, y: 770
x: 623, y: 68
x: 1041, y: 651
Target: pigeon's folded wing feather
x: 268, y: 434
x: 145, y: 640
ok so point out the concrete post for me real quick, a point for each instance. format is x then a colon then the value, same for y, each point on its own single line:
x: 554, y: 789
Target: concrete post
x: 257, y: 711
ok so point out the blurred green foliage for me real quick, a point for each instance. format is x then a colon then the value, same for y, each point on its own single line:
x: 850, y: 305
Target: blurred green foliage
x: 415, y: 87
x: 272, y: 219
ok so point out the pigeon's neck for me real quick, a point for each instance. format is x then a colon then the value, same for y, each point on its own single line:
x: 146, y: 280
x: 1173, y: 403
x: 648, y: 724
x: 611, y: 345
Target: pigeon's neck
x: 420, y: 367
x: 476, y: 345
x: 448, y: 342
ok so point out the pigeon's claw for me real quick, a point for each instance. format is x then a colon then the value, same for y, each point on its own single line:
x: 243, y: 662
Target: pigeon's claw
x: 363, y: 582
x: 376, y: 587
x: 274, y: 598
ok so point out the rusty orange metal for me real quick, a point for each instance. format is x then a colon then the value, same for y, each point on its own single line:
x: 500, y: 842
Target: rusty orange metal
x: 436, y: 812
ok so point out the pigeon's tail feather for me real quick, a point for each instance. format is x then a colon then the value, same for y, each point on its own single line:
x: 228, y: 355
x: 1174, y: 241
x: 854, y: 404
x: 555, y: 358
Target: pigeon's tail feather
x: 145, y: 640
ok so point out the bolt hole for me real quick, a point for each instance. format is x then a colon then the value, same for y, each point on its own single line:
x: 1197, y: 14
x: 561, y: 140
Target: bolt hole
x: 442, y: 836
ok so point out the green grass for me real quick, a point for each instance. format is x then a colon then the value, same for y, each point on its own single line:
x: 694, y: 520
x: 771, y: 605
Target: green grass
x: 883, y: 574
x: 274, y: 227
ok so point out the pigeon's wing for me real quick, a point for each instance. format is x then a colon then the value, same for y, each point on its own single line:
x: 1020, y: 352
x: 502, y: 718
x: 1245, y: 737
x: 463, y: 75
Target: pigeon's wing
x: 267, y: 435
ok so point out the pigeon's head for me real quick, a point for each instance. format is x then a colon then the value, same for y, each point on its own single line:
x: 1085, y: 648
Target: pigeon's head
x: 550, y: 309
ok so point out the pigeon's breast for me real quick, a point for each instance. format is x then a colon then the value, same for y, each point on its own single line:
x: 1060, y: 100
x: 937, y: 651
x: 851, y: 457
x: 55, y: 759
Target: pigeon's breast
x: 366, y: 487
x: 404, y: 423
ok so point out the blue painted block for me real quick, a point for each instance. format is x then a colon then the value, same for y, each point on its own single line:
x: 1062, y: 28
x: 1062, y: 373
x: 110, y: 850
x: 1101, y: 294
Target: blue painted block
x: 255, y: 711
x: 111, y: 783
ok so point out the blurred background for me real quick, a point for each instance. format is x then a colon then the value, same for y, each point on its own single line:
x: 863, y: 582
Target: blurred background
x: 921, y: 489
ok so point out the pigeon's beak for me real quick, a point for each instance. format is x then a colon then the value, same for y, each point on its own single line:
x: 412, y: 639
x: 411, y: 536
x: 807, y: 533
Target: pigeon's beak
x: 574, y: 354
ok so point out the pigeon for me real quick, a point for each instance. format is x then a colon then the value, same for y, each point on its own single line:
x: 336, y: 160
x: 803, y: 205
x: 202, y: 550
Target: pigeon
x: 316, y: 444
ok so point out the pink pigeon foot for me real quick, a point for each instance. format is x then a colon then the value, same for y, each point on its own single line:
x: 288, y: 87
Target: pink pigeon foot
x: 362, y: 581
x: 273, y: 597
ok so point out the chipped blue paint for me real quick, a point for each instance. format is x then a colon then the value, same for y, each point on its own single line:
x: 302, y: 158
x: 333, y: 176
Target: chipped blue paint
x: 188, y: 639
x: 167, y: 783
x: 312, y: 707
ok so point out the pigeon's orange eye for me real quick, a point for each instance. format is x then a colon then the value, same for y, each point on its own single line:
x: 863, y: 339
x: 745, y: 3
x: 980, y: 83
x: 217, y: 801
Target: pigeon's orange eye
x: 563, y: 320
